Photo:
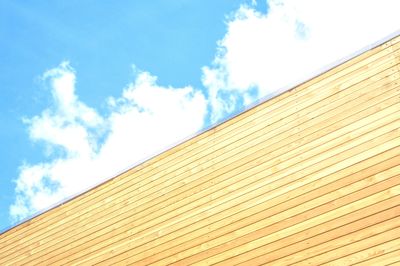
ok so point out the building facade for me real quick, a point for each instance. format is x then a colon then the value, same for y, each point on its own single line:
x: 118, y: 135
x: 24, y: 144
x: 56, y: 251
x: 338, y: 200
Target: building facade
x: 311, y: 176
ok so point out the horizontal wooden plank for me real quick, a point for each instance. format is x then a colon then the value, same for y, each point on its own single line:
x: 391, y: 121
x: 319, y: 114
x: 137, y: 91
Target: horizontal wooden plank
x: 382, y: 256
x: 274, y: 207
x: 287, y: 219
x: 252, y: 239
x: 309, y: 237
x: 376, y: 250
x: 380, y: 233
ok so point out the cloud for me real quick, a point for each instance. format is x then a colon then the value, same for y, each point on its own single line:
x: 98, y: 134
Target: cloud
x: 159, y: 117
x: 85, y: 147
x: 262, y: 53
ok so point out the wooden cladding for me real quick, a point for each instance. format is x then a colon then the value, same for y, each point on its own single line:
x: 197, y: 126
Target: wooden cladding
x: 309, y: 177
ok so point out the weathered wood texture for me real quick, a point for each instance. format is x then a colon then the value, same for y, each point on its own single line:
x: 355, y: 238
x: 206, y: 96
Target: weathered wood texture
x: 309, y: 177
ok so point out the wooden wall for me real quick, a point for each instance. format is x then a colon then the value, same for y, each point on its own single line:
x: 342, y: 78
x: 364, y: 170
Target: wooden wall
x: 309, y: 177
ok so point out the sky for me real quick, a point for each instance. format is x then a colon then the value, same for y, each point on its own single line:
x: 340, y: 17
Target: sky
x: 89, y: 88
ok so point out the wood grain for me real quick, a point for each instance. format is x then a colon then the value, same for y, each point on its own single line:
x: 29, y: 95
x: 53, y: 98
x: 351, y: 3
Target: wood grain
x: 311, y: 176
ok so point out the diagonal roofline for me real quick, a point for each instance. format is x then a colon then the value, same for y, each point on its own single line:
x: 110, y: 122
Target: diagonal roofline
x: 260, y: 101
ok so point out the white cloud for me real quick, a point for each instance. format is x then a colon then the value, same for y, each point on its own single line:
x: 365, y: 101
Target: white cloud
x: 161, y: 116
x: 144, y: 120
x: 259, y: 55
x: 292, y: 41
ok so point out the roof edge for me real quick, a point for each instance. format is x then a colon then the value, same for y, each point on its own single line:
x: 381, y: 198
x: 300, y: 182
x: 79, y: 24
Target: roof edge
x: 276, y: 93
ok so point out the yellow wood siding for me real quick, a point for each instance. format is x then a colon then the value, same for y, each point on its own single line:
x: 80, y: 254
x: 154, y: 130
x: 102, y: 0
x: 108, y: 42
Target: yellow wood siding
x: 309, y: 177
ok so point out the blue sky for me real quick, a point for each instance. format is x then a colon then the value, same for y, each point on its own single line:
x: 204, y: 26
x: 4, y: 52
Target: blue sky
x: 82, y: 81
